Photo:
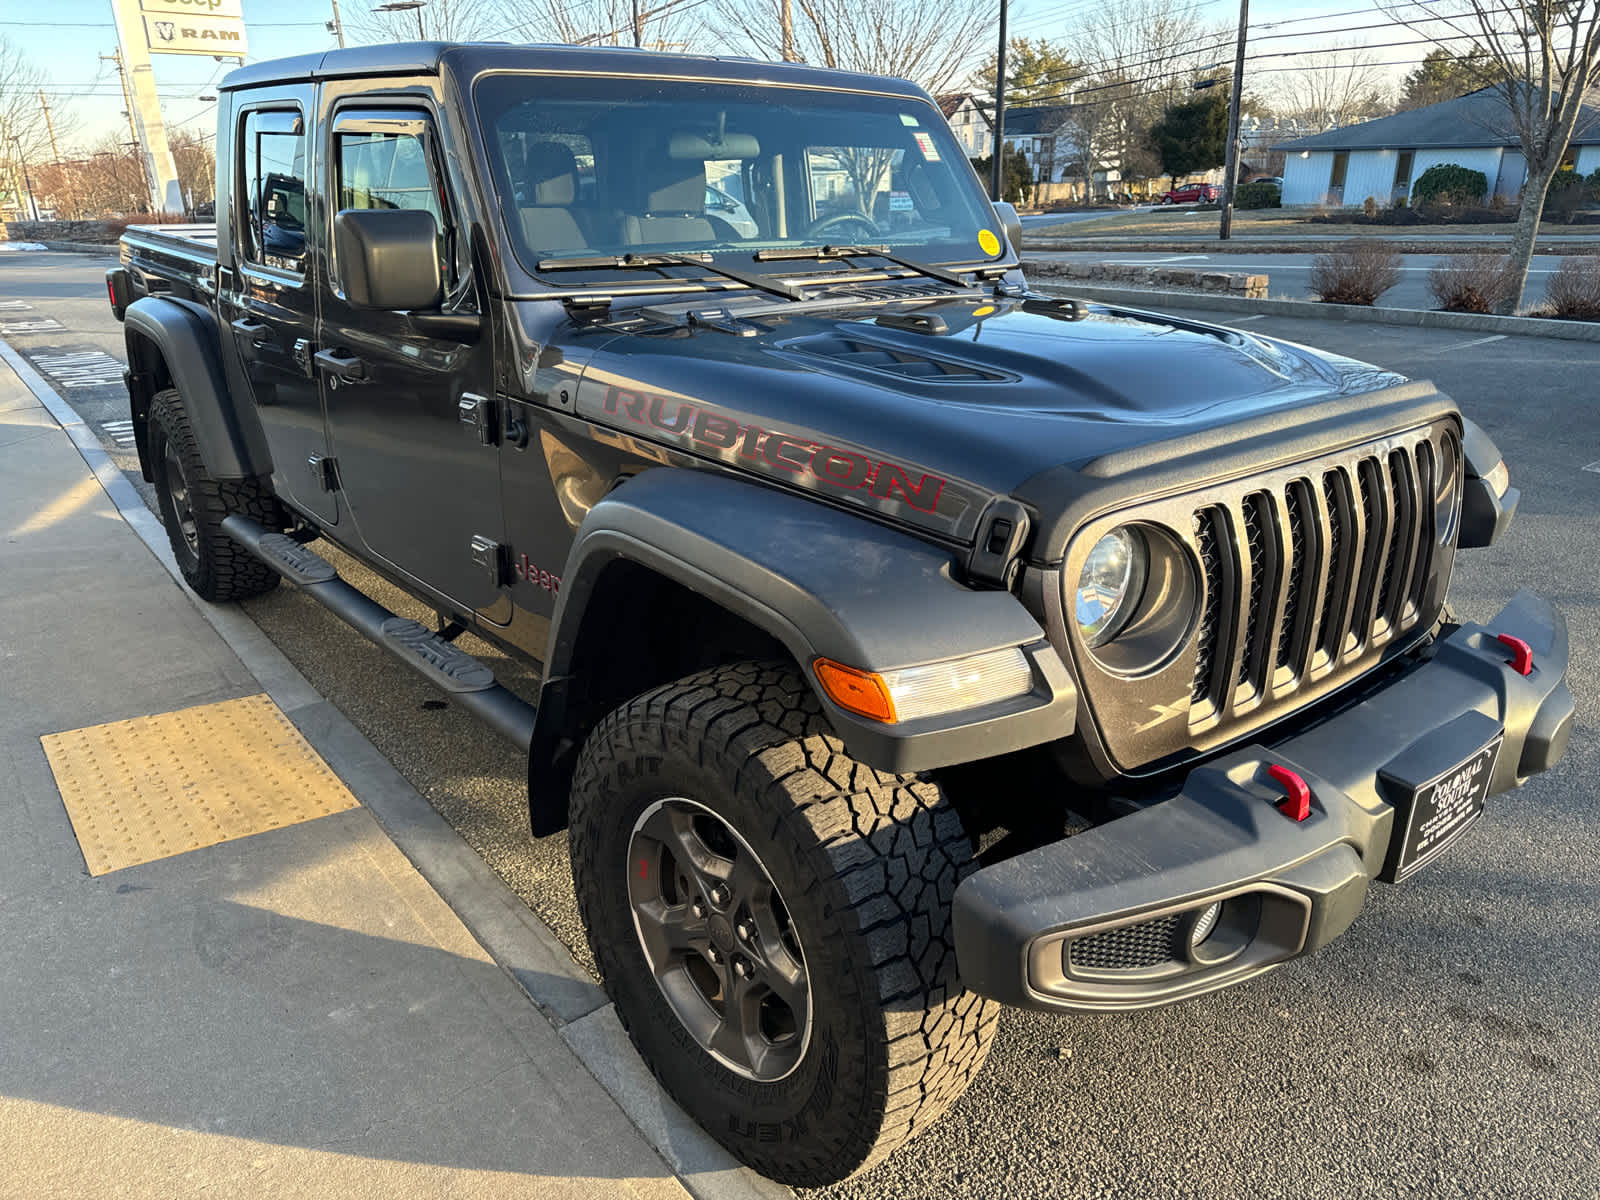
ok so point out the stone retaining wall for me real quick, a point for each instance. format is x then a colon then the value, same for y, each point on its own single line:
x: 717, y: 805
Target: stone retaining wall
x: 1253, y: 287
x: 62, y: 231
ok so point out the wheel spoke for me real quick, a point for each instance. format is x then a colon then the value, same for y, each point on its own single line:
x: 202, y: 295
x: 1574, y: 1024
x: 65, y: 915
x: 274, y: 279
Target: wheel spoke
x: 737, y: 1036
x: 787, y: 980
x: 669, y: 931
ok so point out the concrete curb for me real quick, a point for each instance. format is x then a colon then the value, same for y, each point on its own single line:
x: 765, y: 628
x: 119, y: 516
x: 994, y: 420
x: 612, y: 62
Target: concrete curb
x: 515, y: 937
x: 1416, y: 318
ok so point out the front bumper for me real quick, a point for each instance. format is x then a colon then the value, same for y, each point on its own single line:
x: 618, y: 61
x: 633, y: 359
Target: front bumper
x: 1103, y: 920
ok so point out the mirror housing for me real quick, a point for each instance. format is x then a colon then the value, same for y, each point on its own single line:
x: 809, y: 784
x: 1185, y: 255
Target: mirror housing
x: 388, y: 258
x: 1011, y: 223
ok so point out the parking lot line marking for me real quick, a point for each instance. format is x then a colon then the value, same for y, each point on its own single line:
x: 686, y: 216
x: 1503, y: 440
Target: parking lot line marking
x: 81, y: 368
x: 42, y: 325
x: 1257, y: 317
x: 1594, y: 466
x: 1483, y: 341
x: 152, y: 787
x: 15, y: 306
x: 120, y: 432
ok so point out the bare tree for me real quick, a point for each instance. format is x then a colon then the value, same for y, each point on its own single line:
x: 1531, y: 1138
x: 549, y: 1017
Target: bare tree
x: 652, y: 24
x: 437, y: 20
x: 21, y: 116
x: 1334, y: 87
x: 931, y: 42
x: 1548, y: 55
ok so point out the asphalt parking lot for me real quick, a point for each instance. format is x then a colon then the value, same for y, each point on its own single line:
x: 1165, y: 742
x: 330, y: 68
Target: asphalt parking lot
x: 1446, y: 1046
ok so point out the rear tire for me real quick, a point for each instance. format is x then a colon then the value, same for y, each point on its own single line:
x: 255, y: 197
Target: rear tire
x: 863, y: 865
x: 193, y: 506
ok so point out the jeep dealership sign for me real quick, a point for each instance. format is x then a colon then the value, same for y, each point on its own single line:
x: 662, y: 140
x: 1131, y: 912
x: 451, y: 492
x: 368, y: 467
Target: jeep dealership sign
x: 194, y: 26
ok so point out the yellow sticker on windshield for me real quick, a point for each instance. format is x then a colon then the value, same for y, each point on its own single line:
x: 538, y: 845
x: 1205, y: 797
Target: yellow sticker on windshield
x: 987, y: 242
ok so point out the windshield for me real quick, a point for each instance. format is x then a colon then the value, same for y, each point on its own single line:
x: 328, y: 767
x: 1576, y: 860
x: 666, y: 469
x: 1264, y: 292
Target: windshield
x: 614, y: 165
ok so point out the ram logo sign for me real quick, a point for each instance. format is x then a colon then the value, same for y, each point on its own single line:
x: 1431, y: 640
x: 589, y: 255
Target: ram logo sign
x: 211, y: 27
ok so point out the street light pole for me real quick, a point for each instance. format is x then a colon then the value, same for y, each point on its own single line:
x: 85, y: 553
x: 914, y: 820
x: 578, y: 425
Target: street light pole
x: 1230, y: 170
x: 996, y: 163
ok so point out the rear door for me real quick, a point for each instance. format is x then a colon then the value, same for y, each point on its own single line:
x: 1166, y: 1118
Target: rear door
x: 411, y: 418
x: 269, y: 300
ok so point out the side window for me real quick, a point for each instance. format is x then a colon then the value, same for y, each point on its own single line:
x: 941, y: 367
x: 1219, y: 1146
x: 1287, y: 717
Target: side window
x: 274, y: 164
x: 380, y: 167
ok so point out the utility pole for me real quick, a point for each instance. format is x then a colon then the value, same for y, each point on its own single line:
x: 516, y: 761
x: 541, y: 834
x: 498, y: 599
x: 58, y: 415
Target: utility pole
x: 786, y: 16
x: 127, y: 111
x: 638, y: 26
x: 145, y: 110
x: 27, y: 184
x: 49, y: 127
x: 1230, y: 170
x: 996, y: 164
x: 336, y: 26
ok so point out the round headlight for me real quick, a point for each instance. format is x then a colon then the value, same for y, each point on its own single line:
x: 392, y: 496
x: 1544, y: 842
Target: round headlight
x: 1110, y: 585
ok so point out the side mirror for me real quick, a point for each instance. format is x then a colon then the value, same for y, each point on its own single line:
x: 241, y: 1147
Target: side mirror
x: 388, y: 258
x: 1011, y: 223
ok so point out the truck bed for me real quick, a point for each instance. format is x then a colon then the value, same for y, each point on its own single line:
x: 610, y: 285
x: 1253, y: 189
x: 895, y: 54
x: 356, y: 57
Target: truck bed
x: 182, y: 257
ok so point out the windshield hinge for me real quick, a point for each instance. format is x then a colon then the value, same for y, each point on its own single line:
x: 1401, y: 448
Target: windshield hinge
x: 586, y: 310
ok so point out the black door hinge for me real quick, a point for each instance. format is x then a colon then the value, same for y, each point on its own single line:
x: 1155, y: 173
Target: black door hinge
x: 477, y: 413
x: 491, y: 556
x: 325, y: 470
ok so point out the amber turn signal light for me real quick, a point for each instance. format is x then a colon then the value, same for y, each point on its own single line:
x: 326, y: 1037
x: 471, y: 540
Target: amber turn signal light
x: 855, y: 691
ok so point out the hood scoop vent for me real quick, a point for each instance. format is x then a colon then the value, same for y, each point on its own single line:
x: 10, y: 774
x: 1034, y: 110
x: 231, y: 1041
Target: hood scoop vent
x: 905, y: 364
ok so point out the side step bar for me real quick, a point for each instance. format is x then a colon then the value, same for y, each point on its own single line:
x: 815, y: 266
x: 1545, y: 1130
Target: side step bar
x: 446, y: 667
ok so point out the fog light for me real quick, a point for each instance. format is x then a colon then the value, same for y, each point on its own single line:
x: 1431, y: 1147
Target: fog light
x: 1204, y: 923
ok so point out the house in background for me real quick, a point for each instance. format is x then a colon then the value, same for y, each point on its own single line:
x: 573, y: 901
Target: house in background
x: 970, y: 124
x: 1382, y: 158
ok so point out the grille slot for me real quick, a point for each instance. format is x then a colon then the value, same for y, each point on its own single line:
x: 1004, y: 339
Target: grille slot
x: 1294, y: 500
x: 1206, y: 524
x: 1131, y: 947
x: 1359, y: 541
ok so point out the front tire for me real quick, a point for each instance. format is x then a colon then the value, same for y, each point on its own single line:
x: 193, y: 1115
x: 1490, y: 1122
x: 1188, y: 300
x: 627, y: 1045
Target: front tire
x: 846, y: 1031
x: 193, y: 506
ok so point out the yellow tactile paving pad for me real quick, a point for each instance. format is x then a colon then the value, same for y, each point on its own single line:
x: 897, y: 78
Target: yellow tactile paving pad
x: 157, y: 786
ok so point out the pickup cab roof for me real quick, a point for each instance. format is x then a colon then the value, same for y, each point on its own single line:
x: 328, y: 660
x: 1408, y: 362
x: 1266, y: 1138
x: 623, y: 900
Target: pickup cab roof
x: 468, y: 59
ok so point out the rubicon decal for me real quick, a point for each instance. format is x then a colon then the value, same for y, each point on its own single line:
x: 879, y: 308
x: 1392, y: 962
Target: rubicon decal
x: 787, y: 455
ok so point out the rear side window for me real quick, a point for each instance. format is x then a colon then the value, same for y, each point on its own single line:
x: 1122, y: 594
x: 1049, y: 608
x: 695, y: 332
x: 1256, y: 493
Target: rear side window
x: 274, y: 160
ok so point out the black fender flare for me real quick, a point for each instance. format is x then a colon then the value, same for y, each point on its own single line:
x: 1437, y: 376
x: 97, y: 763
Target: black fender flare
x: 823, y: 583
x: 188, y: 339
x: 1485, y: 513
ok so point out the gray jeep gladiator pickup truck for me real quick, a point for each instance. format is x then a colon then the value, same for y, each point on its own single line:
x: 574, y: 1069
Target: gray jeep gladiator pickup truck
x: 856, y: 573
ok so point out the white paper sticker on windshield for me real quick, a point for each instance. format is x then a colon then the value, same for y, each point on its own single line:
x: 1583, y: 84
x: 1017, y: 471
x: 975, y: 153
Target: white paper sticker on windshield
x: 929, y: 150
x: 908, y: 119
x: 900, y: 202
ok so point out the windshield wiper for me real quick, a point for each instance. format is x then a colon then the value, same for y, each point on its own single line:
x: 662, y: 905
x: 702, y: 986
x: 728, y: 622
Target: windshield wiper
x: 820, y: 252
x: 624, y: 262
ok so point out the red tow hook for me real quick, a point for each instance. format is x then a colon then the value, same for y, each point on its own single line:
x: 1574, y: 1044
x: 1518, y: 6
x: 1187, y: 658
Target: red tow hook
x: 1521, y: 653
x: 1297, y: 804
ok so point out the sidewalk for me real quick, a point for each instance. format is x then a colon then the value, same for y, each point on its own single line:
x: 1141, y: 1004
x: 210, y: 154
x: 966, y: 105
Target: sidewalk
x: 291, y: 1013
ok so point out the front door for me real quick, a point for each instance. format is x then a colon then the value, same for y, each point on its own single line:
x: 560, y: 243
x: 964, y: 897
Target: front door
x: 269, y: 300
x: 410, y: 416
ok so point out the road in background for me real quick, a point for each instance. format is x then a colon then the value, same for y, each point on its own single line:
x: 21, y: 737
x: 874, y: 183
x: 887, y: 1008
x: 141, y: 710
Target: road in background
x: 1432, y: 1051
x: 1289, y: 275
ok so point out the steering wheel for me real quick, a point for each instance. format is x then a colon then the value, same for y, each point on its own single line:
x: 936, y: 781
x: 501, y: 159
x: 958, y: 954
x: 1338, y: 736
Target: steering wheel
x: 845, y: 218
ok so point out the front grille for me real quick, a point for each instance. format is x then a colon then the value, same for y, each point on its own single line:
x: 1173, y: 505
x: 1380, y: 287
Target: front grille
x: 1131, y: 947
x: 1308, y: 576
x: 1386, y: 550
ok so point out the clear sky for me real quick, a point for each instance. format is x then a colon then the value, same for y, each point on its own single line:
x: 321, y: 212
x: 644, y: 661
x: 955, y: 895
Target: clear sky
x: 68, y: 41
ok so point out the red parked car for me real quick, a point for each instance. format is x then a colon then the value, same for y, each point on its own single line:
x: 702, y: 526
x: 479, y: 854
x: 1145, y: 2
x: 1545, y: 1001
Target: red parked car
x: 1191, y: 193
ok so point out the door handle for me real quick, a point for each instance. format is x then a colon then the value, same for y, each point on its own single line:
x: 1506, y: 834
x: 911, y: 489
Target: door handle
x: 340, y: 366
x: 254, y: 332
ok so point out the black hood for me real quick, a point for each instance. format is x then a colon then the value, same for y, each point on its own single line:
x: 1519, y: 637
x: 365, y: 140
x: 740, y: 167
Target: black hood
x: 925, y: 412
